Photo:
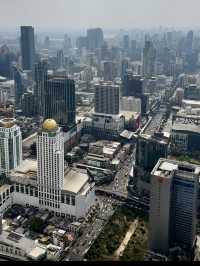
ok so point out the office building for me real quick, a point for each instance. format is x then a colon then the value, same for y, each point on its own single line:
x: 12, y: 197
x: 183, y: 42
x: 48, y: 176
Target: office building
x: 41, y: 76
x: 10, y: 145
x: 173, y: 205
x: 149, y: 59
x: 110, y: 71
x: 149, y: 149
x: 132, y: 85
x: 60, y: 59
x: 19, y: 84
x: 94, y: 38
x: 124, y: 67
x: 27, y: 48
x: 28, y: 104
x: 59, y: 100
x: 107, y: 98
x: 6, y: 59
x: 126, y: 43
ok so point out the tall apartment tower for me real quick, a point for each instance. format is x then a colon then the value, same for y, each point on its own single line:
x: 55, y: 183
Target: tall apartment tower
x: 107, y: 97
x: 94, y: 38
x: 173, y: 205
x: 27, y: 47
x: 149, y: 59
x: 59, y: 100
x: 50, y: 158
x: 10, y: 145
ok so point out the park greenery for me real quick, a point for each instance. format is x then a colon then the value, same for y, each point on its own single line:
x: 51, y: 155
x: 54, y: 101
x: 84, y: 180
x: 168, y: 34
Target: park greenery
x: 113, y: 234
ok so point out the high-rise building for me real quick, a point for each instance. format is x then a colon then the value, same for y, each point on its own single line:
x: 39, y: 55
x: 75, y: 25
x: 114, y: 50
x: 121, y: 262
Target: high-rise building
x: 60, y: 59
x: 27, y: 48
x: 10, y: 145
x: 132, y: 85
x: 81, y: 42
x: 149, y: 59
x: 50, y: 158
x: 28, y: 104
x: 124, y: 67
x: 94, y: 38
x: 126, y: 43
x: 59, y: 100
x: 149, y: 150
x: 41, y: 75
x: 110, y: 71
x: 133, y: 50
x: 189, y: 43
x: 19, y: 84
x: 173, y: 205
x: 107, y: 98
x: 131, y: 104
x: 6, y: 59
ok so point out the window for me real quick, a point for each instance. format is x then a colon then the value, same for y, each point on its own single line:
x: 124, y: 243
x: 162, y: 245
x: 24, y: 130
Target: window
x: 62, y: 199
x: 73, y: 200
x: 68, y: 199
x: 11, y: 189
x: 22, y: 189
x: 17, y: 188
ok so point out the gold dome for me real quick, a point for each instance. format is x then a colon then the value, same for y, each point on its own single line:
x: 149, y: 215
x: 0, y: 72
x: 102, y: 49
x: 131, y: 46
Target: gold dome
x: 7, y: 122
x: 49, y: 124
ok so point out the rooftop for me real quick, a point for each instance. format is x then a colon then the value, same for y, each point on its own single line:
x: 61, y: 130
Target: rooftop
x: 74, y: 180
x: 181, y: 126
x: 164, y: 168
x: 17, y: 240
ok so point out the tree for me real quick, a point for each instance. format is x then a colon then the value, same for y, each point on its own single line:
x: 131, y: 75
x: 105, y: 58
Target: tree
x: 37, y: 225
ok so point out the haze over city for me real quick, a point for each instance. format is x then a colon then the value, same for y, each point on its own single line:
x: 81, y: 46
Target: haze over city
x: 78, y: 14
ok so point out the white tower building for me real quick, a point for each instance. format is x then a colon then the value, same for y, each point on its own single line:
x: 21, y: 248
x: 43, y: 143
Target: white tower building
x: 50, y: 157
x: 10, y: 145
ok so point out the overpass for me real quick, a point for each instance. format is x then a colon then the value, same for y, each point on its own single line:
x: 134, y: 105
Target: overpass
x: 124, y: 197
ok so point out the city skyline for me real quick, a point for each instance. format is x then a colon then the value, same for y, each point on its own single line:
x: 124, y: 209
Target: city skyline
x: 95, y: 13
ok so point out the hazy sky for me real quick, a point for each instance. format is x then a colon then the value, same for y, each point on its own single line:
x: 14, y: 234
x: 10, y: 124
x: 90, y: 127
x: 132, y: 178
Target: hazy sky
x: 105, y: 13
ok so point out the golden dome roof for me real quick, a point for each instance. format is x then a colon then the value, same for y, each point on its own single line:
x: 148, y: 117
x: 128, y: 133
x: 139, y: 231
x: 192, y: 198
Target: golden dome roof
x: 49, y: 124
x: 7, y: 122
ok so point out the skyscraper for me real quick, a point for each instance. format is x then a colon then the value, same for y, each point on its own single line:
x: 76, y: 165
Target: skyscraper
x: 19, y: 85
x: 50, y: 158
x: 94, y: 38
x: 149, y: 59
x: 149, y: 150
x: 10, y: 145
x: 6, y: 58
x: 173, y: 205
x: 27, y: 47
x: 59, y: 100
x: 132, y: 85
x: 60, y: 59
x: 107, y: 98
x: 110, y: 71
x: 124, y: 67
x: 41, y: 75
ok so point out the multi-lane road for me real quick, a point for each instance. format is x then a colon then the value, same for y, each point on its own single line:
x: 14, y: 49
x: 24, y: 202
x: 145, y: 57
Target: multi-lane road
x: 107, y: 209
